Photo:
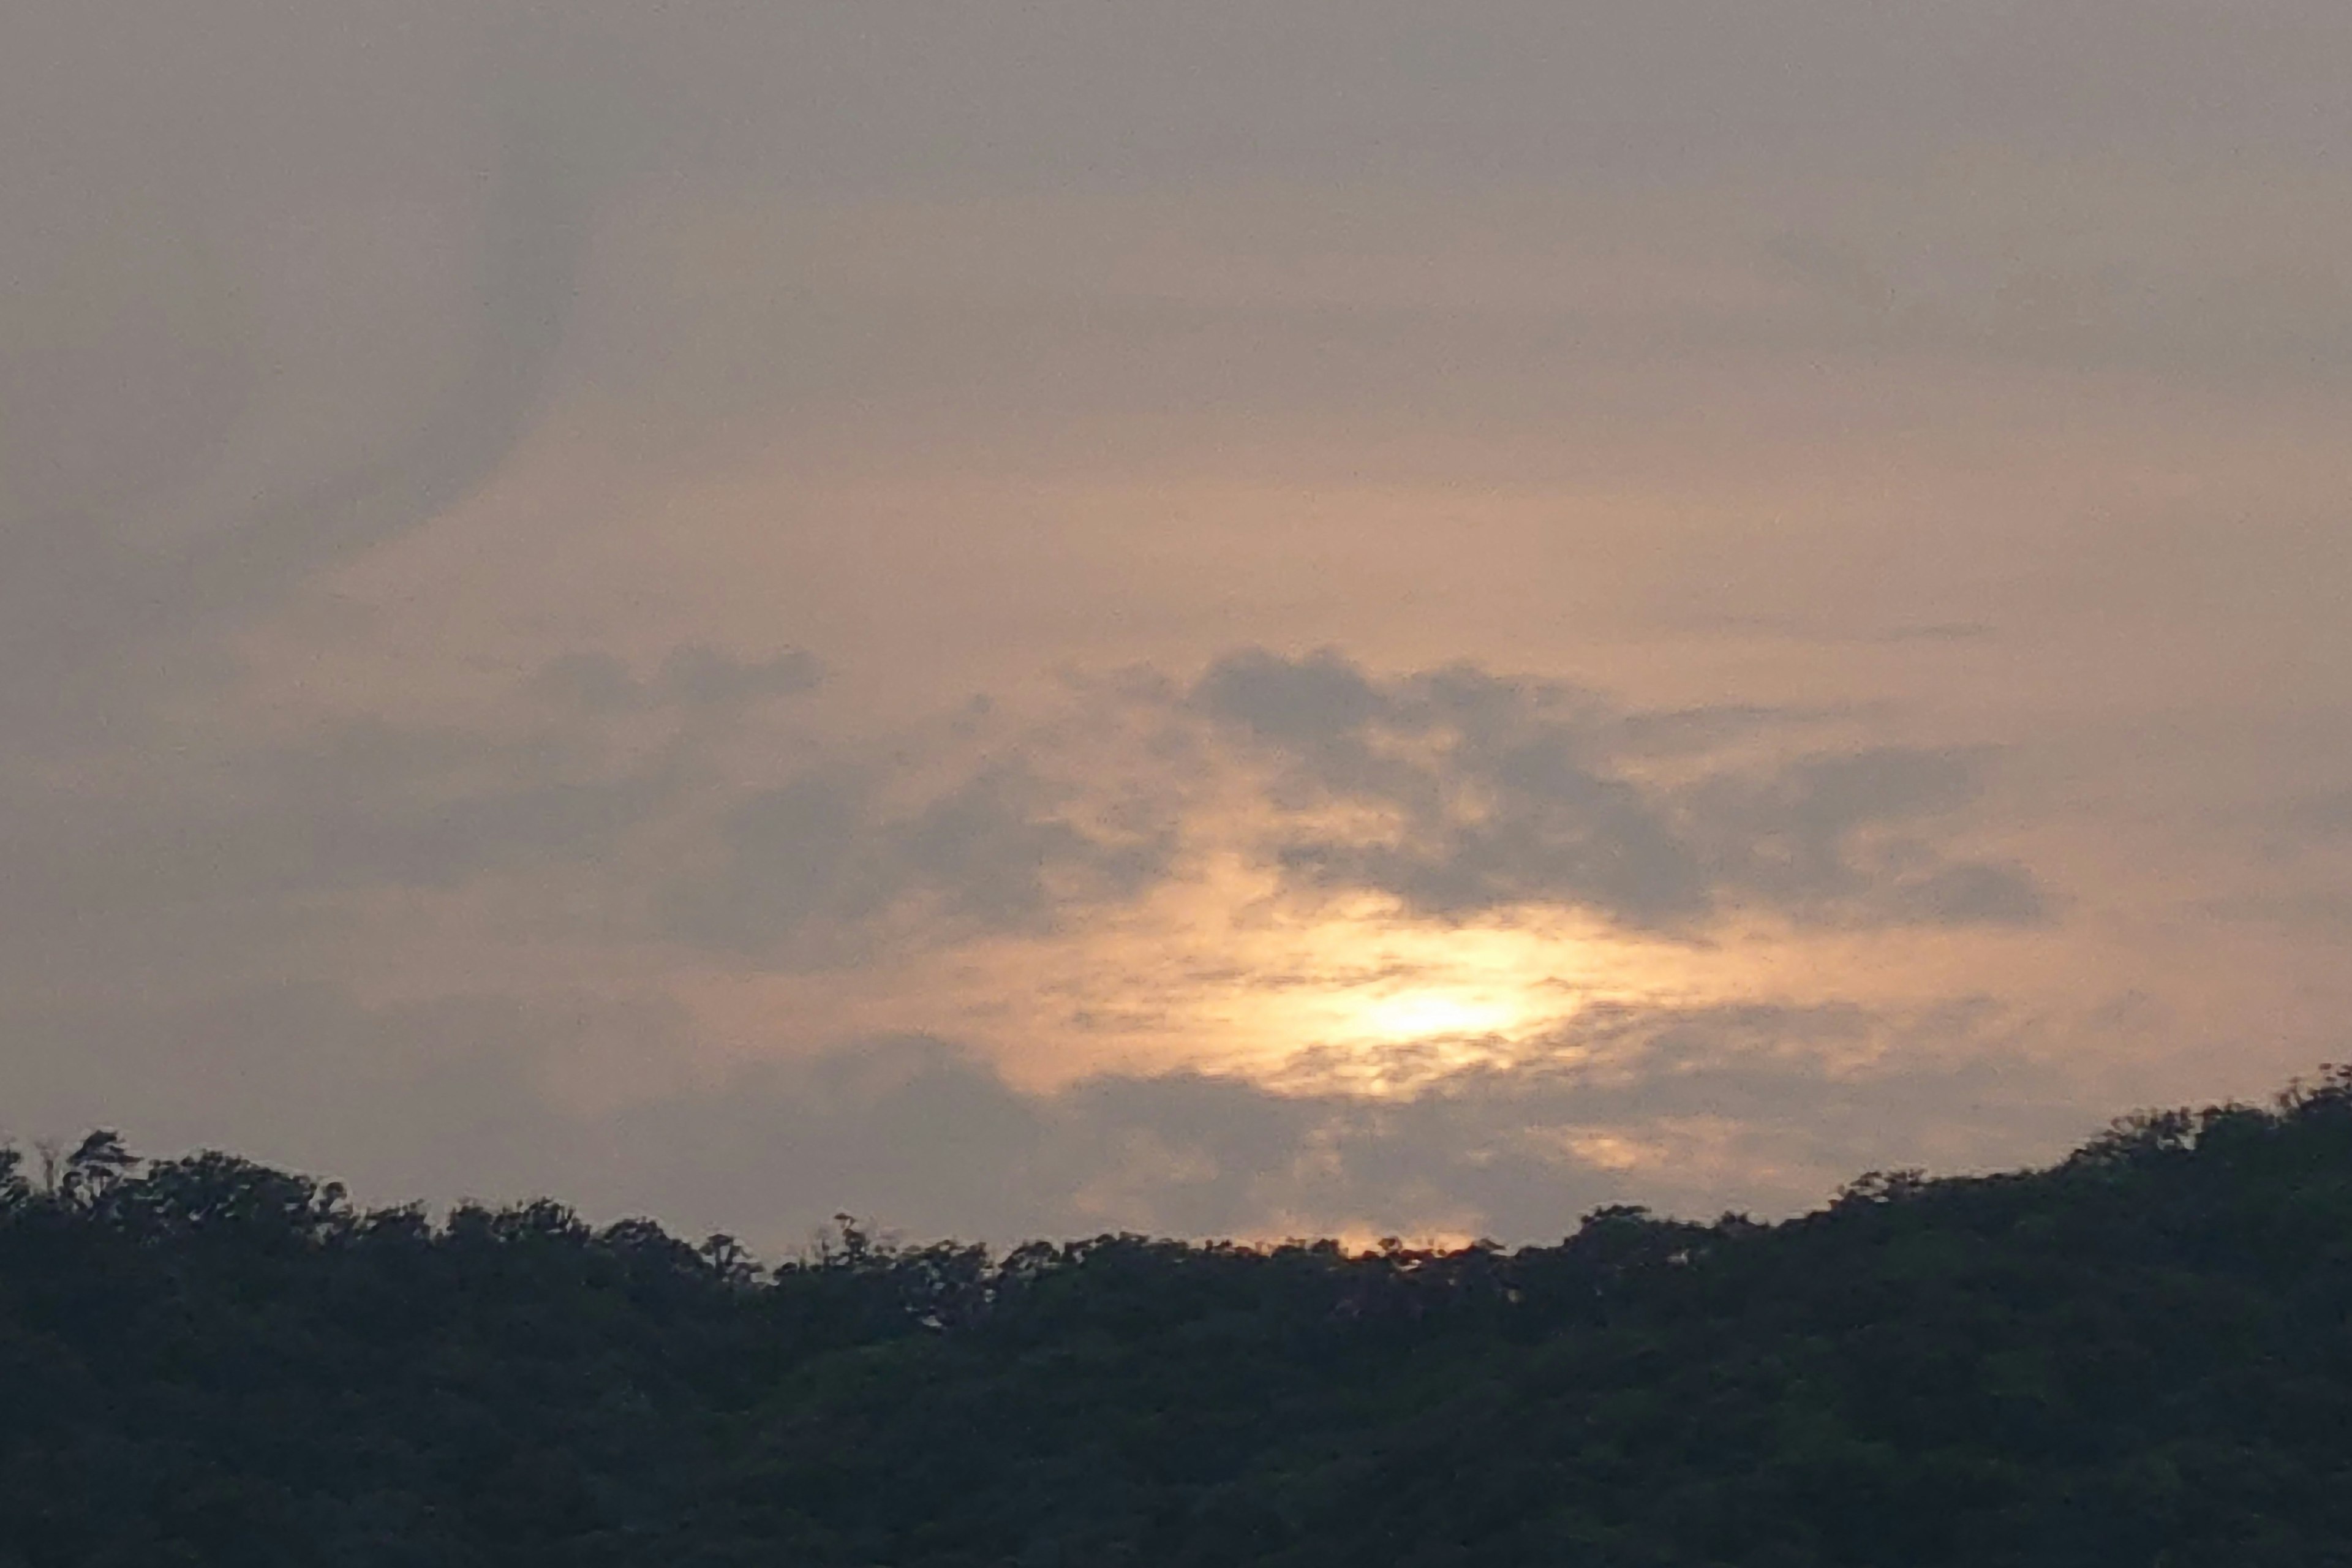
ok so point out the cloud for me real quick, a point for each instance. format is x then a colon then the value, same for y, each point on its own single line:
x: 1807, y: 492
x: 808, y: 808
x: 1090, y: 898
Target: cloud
x: 995, y: 851
x: 1939, y: 632
x: 1690, y: 1110
x: 275, y: 419
x: 2323, y: 817
x: 689, y: 805
x: 2301, y: 849
x: 1457, y: 791
x: 294, y: 285
x: 364, y: 805
x: 243, y: 843
x: 691, y: 675
x: 1491, y: 791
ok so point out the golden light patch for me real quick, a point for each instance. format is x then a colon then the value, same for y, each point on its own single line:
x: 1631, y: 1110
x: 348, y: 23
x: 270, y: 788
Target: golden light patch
x: 1423, y: 1012
x: 1344, y: 983
x: 1368, y: 1003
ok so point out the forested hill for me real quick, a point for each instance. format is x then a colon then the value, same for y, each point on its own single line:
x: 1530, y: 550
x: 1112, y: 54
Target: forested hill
x: 2141, y: 1356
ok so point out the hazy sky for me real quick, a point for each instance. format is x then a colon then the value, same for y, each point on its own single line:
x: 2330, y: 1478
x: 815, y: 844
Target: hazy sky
x: 1249, y: 618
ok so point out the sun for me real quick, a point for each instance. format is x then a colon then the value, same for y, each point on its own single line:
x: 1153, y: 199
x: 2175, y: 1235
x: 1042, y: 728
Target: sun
x: 1393, y: 1037
x: 1430, y: 1012
x: 1370, y: 998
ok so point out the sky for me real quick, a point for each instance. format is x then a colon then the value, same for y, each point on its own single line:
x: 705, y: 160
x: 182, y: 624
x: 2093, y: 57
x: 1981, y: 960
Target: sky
x: 1327, y: 617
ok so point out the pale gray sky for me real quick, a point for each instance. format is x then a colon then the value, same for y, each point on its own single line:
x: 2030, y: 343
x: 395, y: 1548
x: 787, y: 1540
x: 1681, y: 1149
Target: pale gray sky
x: 1230, y: 618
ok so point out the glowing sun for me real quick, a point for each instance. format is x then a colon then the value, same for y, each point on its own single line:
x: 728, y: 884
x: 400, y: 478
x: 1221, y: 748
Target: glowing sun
x: 1423, y: 1012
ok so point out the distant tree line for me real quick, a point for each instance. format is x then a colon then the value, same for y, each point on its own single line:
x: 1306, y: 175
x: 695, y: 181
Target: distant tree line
x: 2141, y: 1356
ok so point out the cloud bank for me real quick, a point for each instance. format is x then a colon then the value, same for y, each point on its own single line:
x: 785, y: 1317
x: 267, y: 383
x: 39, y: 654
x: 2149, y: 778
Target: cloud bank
x: 1495, y: 791
x: 1761, y: 1109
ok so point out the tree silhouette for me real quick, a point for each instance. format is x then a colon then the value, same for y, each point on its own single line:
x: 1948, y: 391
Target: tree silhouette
x: 2136, y: 1356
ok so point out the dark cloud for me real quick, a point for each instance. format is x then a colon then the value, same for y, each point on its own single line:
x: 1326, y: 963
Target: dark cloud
x: 251, y: 842
x: 1978, y: 892
x: 1502, y: 791
x: 2302, y: 845
x: 364, y: 805
x: 996, y: 851
x: 1941, y: 632
x: 692, y: 675
x: 626, y: 789
x: 380, y: 805
x: 2318, y: 818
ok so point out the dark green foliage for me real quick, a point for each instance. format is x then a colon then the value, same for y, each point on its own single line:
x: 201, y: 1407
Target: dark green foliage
x: 2142, y: 1356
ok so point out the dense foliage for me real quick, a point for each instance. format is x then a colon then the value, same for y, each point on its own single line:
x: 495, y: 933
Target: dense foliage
x: 2141, y: 1356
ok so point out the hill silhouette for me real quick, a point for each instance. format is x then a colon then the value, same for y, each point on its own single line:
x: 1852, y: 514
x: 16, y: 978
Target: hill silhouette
x: 2141, y: 1355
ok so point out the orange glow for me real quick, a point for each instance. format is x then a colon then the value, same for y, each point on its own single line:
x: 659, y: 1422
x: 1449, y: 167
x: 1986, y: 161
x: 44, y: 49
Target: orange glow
x: 1420, y: 1012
